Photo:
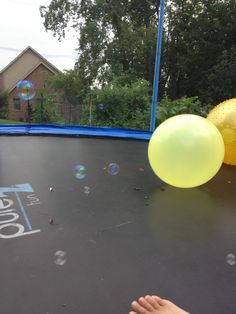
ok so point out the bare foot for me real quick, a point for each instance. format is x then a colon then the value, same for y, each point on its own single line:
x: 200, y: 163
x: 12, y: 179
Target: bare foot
x: 155, y: 305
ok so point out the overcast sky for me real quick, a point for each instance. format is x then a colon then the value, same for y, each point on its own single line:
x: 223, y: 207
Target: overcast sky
x: 22, y: 26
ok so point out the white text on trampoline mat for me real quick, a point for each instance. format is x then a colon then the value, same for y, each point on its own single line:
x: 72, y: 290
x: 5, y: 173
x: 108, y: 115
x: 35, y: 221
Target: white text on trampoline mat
x: 10, y: 224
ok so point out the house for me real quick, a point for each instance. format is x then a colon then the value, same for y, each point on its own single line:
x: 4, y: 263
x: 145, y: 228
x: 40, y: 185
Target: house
x: 28, y: 65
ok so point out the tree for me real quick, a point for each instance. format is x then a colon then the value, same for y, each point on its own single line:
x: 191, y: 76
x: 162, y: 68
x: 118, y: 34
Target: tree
x: 114, y: 36
x: 118, y: 38
x: 46, y: 107
x: 4, y: 105
x: 72, y: 90
x: 221, y: 78
x: 197, y: 33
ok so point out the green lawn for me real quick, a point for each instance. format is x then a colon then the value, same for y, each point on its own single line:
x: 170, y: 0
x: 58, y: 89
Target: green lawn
x: 4, y: 121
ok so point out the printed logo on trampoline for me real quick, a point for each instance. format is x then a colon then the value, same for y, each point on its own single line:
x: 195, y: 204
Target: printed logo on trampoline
x: 14, y: 221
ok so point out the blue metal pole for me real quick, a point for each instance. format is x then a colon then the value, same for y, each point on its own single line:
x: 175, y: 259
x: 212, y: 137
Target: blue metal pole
x: 157, y: 66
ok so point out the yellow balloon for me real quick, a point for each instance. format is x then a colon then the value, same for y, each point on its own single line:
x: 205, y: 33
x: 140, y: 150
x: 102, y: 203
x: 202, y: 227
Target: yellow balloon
x: 186, y: 151
x: 224, y: 118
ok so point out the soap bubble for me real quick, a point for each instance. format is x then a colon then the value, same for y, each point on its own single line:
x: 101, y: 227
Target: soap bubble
x: 25, y: 90
x: 80, y: 172
x: 113, y: 169
x: 60, y: 258
x: 86, y: 190
x: 101, y: 106
x: 231, y: 259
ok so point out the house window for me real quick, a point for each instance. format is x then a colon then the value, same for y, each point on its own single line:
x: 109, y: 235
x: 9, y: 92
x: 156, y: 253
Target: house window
x: 16, y: 103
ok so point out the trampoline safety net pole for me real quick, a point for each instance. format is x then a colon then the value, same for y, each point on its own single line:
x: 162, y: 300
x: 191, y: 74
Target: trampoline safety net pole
x: 157, y: 65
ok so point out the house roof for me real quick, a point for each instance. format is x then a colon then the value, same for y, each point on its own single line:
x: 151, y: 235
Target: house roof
x: 48, y: 64
x: 15, y: 71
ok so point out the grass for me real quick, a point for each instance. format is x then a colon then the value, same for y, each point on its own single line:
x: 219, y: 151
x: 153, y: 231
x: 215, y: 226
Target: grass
x: 4, y: 121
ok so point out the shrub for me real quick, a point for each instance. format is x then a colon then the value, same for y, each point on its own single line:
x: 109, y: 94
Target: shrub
x: 46, y: 111
x: 118, y: 105
x: 185, y: 105
x: 4, y: 113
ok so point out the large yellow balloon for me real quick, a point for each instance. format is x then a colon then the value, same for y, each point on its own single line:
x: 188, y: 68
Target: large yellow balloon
x: 224, y: 118
x: 186, y: 151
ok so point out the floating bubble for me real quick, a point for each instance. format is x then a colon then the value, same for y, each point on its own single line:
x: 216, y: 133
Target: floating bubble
x: 113, y: 169
x: 25, y: 90
x: 231, y: 259
x: 86, y: 190
x: 101, y: 106
x: 80, y: 172
x: 60, y: 258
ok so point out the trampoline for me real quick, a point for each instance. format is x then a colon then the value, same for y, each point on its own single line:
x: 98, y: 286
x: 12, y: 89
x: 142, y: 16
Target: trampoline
x: 94, y: 244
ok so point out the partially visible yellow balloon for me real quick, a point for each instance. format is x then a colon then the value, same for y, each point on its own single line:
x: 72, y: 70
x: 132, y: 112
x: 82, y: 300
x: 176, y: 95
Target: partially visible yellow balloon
x: 224, y: 118
x: 186, y: 151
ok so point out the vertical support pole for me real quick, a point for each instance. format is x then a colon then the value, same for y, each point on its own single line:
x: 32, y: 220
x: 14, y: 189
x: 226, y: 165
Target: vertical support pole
x: 157, y: 65
x: 90, y: 110
x: 29, y: 110
x: 41, y: 107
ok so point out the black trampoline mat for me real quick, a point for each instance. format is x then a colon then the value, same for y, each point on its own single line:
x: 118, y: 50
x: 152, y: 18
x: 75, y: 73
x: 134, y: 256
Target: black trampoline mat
x: 129, y: 235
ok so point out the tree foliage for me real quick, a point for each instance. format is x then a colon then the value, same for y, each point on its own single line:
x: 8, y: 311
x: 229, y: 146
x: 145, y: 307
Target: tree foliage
x: 118, y: 39
x: 184, y: 105
x: 221, y: 78
x: 118, y: 105
x: 72, y: 91
x: 70, y: 84
x: 129, y: 106
x: 114, y: 36
x: 4, y: 105
x: 45, y: 109
x: 199, y: 34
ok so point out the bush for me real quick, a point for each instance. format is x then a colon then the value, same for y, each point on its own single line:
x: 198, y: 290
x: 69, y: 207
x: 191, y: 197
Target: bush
x: 185, y: 105
x: 168, y: 108
x: 4, y: 113
x: 118, y: 105
x: 47, y: 111
x: 129, y: 106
